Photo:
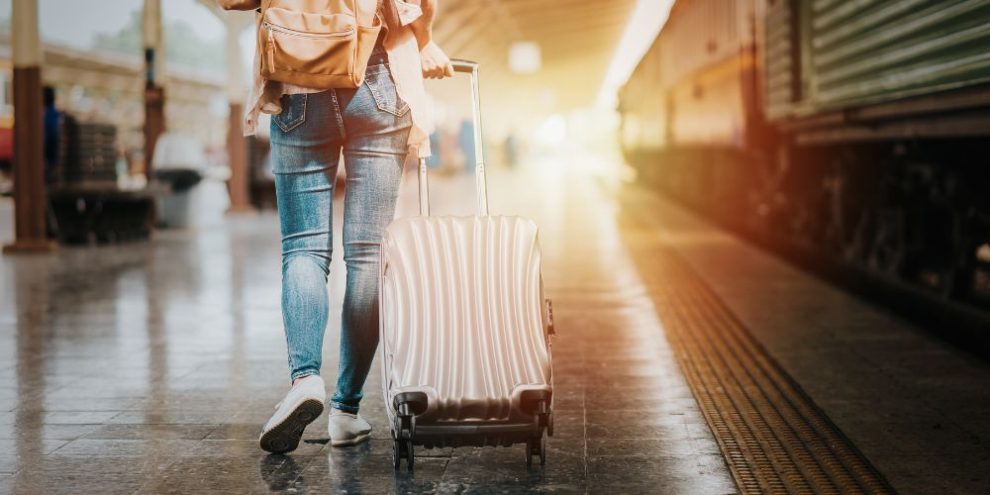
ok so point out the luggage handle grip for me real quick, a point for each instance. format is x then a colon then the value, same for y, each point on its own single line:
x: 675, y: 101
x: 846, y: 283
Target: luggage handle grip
x: 481, y: 183
x: 461, y: 65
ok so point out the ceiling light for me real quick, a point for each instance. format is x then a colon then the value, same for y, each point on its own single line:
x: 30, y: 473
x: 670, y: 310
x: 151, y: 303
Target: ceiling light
x: 524, y: 57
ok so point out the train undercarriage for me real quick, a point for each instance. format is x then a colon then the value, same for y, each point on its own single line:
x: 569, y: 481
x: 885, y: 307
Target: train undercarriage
x: 913, y: 213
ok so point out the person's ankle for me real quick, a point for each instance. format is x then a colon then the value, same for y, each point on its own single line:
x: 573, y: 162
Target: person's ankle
x: 298, y: 379
x: 334, y: 410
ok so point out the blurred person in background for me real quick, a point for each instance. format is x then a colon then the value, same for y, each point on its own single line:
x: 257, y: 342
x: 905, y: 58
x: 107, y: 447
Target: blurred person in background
x: 510, y: 150
x: 375, y: 126
x: 53, y: 128
x: 436, y: 152
x: 465, y: 140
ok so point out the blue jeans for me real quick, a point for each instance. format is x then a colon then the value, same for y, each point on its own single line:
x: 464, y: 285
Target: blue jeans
x: 370, y: 125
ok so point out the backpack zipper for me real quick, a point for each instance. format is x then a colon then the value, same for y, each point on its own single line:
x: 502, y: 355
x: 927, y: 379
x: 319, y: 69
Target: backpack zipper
x: 271, y: 50
x: 291, y: 32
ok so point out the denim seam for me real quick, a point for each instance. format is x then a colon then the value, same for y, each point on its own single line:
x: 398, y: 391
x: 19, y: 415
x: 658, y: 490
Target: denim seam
x: 286, y: 127
x: 306, y: 171
x: 338, y: 114
x: 343, y: 407
x: 304, y: 373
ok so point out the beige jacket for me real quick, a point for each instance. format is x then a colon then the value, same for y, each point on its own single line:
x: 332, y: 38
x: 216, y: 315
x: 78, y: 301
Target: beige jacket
x: 405, y: 65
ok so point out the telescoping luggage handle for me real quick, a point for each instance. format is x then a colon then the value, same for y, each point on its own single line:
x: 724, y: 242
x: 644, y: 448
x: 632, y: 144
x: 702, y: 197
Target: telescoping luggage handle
x: 468, y: 67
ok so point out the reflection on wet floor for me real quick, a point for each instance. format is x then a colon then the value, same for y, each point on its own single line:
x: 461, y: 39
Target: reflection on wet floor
x: 151, y: 367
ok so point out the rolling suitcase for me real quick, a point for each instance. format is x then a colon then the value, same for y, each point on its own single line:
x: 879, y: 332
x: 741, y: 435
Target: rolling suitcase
x: 465, y: 329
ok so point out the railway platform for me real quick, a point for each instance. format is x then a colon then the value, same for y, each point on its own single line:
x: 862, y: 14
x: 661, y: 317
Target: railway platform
x: 685, y: 361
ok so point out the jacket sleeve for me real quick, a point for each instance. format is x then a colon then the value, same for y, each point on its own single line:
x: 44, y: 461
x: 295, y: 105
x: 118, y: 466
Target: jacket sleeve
x: 239, y: 4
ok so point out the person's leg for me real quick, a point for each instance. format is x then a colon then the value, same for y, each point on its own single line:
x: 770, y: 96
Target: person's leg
x: 305, y: 141
x: 305, y: 151
x: 377, y: 127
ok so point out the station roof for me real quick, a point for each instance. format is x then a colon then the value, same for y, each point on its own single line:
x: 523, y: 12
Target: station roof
x: 577, y: 39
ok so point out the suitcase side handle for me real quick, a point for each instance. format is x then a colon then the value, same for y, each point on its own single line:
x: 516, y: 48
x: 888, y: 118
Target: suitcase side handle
x: 481, y: 182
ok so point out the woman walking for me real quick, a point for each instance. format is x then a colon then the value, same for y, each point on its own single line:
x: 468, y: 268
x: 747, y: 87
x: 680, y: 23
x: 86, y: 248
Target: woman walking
x: 374, y: 126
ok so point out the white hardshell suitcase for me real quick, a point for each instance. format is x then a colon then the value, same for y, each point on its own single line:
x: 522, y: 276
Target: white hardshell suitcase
x: 465, y: 329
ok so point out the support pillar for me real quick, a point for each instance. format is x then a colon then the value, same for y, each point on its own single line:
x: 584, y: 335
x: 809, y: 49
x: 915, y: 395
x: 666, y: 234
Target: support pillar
x: 30, y: 196
x: 239, y: 185
x: 154, y: 92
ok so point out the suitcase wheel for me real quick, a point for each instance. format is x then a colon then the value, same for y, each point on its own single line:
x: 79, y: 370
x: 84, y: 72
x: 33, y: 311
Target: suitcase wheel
x: 545, y: 418
x: 402, y: 449
x: 402, y: 441
x: 536, y: 446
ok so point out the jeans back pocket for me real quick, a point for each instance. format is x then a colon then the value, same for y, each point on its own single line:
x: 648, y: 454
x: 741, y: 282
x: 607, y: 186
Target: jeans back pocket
x: 382, y: 87
x: 293, y: 112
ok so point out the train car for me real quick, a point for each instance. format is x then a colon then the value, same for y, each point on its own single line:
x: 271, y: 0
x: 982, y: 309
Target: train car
x: 690, y: 116
x: 856, y: 131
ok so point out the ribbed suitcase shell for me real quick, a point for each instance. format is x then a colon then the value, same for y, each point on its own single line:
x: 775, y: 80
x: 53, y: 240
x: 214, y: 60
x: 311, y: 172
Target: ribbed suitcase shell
x: 463, y: 319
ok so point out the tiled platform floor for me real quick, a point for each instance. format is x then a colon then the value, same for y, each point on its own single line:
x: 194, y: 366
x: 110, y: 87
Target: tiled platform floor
x: 917, y: 408
x: 149, y: 368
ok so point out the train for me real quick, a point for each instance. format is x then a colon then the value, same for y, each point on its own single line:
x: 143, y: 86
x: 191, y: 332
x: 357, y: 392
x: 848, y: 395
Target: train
x: 854, y: 133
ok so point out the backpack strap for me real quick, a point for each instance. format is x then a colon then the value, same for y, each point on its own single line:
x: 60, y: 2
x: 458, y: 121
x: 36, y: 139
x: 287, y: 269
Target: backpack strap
x: 389, y: 15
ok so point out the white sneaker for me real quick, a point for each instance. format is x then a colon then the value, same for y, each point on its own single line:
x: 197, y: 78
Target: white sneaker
x: 347, y: 429
x: 300, y: 407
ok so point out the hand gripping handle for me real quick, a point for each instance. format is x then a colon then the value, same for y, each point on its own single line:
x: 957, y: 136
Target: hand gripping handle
x: 481, y: 183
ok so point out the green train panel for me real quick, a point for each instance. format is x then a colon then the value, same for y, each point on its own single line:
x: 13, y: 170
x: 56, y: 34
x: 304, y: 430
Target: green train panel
x: 826, y: 55
x: 780, y: 51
